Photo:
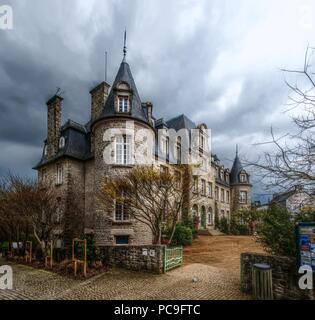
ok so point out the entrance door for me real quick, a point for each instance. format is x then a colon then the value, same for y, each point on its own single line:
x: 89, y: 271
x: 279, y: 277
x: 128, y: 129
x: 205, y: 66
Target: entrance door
x: 203, y: 218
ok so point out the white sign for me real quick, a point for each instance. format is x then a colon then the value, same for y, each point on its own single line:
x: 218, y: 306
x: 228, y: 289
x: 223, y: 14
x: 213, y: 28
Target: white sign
x: 6, y: 278
x: 144, y: 252
x: 152, y: 253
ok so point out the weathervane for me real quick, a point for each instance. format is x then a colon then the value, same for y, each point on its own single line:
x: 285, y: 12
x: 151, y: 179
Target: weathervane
x: 125, y: 48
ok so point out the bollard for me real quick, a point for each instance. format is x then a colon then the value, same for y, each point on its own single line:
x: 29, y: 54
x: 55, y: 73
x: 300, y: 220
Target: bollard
x: 262, y: 281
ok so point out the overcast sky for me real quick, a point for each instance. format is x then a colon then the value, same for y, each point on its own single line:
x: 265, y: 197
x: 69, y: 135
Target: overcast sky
x: 216, y: 61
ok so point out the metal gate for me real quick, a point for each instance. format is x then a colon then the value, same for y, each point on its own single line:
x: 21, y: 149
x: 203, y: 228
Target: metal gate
x: 173, y: 258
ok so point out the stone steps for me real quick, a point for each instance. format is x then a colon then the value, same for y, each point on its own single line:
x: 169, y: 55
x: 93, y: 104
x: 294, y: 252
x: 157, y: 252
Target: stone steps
x: 203, y: 233
x: 216, y: 233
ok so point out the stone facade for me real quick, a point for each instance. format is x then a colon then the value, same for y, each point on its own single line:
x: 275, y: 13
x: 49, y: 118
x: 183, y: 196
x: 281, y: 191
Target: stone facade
x: 76, y: 159
x: 285, y: 276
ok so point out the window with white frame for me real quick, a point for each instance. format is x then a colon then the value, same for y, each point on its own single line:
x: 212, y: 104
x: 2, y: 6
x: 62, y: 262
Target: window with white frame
x: 222, y: 195
x: 165, y: 147
x: 228, y: 196
x: 59, y: 174
x: 243, y: 177
x: 216, y: 193
x: 243, y: 197
x: 121, y: 210
x: 123, y: 104
x: 123, y: 150
x: 210, y: 190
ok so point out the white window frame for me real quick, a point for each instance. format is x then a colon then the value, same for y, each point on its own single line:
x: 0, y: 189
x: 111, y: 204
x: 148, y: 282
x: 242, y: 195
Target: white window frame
x: 216, y: 193
x: 125, y: 216
x: 243, y: 200
x: 123, y: 147
x: 222, y: 195
x: 210, y: 190
x: 227, y: 196
x: 123, y: 104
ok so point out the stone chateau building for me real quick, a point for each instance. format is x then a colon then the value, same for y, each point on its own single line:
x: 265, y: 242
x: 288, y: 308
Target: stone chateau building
x: 73, y: 162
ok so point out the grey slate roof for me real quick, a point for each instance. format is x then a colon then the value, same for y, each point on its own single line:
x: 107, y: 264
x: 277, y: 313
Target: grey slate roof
x: 124, y: 75
x: 77, y: 144
x: 181, y: 122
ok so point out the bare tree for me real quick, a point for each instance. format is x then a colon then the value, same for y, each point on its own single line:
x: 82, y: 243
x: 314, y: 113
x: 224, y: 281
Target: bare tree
x: 27, y: 206
x: 292, y: 163
x: 150, y: 196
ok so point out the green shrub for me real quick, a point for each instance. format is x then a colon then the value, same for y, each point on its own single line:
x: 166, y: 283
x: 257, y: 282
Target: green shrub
x: 223, y: 225
x: 239, y: 229
x: 183, y: 236
x: 276, y: 231
x: 93, y: 253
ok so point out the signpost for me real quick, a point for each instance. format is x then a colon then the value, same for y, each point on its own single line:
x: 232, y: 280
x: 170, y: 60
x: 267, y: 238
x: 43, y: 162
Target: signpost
x: 305, y: 232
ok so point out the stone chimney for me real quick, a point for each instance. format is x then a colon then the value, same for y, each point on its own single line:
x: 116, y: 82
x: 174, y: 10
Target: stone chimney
x: 53, y: 124
x: 98, y: 98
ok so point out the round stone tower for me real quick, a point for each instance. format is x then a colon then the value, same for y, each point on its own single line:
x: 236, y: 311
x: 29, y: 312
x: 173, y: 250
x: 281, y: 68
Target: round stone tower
x: 121, y: 136
x: 241, y: 188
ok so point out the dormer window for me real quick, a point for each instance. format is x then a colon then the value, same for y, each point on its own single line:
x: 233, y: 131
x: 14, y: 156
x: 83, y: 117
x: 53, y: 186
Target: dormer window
x: 123, y: 104
x: 62, y: 142
x: 243, y: 177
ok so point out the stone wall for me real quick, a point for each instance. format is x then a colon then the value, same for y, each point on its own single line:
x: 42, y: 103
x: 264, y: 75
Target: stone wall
x: 133, y: 257
x: 284, y: 276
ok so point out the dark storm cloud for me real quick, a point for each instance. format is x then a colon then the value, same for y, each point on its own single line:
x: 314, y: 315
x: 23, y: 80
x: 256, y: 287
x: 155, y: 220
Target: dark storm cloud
x: 216, y: 61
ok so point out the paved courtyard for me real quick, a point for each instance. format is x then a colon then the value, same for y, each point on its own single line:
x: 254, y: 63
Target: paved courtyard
x: 210, y: 272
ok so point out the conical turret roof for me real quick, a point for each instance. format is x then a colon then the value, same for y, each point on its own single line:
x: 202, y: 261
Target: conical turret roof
x: 124, y: 75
